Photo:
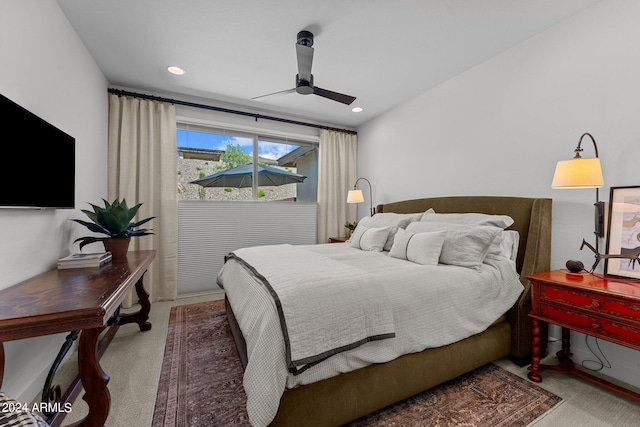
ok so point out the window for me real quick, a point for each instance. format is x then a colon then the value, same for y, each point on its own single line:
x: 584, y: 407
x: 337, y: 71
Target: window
x: 207, y: 231
x: 205, y: 151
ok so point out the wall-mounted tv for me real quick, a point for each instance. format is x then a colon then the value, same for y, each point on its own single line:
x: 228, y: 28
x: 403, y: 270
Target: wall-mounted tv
x: 39, y: 161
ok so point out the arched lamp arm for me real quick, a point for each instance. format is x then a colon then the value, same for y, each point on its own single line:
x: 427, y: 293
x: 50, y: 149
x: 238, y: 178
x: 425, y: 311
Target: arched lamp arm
x: 599, y: 215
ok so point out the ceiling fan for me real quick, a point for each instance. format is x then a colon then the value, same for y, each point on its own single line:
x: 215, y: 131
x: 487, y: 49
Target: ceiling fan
x: 304, y: 78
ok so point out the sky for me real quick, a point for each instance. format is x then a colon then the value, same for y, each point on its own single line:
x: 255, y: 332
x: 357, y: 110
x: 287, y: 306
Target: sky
x: 268, y: 150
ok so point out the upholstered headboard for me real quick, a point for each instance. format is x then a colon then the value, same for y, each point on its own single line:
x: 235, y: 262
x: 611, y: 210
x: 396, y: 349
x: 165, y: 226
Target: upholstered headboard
x: 532, y: 220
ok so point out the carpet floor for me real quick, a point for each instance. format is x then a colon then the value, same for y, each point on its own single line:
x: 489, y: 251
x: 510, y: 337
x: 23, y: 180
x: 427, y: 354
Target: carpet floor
x: 201, y: 385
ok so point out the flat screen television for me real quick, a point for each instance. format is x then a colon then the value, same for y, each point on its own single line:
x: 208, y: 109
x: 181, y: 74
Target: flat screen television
x: 39, y: 161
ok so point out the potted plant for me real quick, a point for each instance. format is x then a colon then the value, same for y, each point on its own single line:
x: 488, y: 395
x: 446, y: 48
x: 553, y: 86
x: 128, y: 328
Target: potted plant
x: 114, y: 220
x: 350, y: 226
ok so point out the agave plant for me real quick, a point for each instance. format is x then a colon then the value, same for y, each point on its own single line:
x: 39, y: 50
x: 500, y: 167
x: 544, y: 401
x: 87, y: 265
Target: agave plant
x: 114, y: 220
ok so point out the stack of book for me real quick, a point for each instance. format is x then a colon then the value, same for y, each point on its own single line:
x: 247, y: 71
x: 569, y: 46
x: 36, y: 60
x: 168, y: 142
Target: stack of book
x: 84, y: 260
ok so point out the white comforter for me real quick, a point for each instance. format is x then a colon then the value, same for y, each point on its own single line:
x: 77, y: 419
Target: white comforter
x: 432, y: 306
x: 324, y: 306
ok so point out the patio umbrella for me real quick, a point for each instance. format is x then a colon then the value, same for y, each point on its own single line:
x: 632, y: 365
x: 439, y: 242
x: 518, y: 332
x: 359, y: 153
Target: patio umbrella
x: 241, y: 176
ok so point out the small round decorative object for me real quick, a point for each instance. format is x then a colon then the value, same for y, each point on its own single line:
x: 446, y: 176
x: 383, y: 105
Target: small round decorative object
x: 575, y: 266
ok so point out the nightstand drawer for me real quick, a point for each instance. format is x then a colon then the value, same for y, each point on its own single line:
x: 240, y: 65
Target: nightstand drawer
x: 591, y: 324
x: 592, y: 302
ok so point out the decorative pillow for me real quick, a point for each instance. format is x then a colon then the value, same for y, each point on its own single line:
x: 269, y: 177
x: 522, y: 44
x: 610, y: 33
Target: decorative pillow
x: 464, y: 245
x: 370, y: 239
x: 502, y: 221
x: 421, y: 248
x: 389, y: 219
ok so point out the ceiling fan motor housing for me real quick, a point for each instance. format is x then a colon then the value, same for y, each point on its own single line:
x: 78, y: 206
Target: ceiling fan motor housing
x: 305, y: 38
x: 304, y: 87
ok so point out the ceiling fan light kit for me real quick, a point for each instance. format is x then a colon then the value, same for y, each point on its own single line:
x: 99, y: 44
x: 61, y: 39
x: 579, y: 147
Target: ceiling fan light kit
x: 304, y: 78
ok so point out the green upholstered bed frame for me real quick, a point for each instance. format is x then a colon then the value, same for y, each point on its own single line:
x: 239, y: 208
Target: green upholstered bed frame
x: 345, y: 397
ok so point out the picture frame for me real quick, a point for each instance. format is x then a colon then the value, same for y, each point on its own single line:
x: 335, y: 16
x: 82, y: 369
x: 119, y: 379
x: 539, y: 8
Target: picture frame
x: 623, y: 232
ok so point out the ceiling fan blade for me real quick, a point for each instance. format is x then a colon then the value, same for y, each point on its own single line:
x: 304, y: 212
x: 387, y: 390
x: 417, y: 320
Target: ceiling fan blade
x: 305, y: 59
x: 335, y: 96
x: 282, y: 92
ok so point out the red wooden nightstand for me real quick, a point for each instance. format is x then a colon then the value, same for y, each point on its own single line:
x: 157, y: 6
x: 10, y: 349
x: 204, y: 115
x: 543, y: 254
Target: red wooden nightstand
x: 603, y: 307
x: 338, y: 239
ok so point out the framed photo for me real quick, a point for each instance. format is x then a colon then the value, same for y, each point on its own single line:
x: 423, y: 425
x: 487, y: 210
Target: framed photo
x: 623, y: 236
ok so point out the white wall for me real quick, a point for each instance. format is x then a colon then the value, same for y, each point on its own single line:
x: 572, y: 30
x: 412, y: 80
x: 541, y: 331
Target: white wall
x: 500, y: 128
x: 47, y: 70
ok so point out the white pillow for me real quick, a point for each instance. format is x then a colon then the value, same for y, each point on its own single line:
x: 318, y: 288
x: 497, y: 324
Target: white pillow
x: 428, y: 211
x: 502, y: 221
x: 506, y: 245
x: 511, y: 244
x: 464, y: 245
x: 389, y: 219
x: 421, y: 248
x: 369, y: 239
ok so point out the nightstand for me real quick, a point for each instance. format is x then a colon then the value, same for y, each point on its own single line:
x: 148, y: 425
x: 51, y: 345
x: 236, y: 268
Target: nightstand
x: 338, y: 239
x: 600, y: 306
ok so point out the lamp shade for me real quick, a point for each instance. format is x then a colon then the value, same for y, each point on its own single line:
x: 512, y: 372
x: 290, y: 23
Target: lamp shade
x: 355, y: 196
x: 578, y: 173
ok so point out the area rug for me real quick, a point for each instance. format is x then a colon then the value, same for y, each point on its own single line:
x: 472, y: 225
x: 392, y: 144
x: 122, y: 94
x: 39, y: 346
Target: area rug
x: 201, y: 385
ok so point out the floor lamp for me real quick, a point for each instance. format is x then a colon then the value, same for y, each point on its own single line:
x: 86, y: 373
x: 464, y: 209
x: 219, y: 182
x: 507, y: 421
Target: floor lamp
x: 356, y: 196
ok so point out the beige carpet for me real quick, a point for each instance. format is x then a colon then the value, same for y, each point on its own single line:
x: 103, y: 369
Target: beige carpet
x: 201, y: 385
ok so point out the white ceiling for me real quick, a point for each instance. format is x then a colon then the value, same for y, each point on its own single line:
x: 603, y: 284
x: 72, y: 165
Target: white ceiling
x: 383, y: 52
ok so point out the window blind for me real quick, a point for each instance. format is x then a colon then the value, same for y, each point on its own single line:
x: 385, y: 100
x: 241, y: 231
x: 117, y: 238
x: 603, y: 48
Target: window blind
x: 207, y: 231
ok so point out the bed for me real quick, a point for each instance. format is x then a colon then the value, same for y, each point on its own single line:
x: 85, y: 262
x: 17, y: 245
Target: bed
x: 339, y: 387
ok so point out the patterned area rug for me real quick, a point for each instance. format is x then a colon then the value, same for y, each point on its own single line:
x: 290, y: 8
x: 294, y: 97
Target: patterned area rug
x: 201, y: 385
x: 488, y: 396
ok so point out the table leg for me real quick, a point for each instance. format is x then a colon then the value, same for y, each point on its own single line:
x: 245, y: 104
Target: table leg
x: 564, y: 355
x: 140, y: 317
x: 94, y: 380
x: 534, y: 369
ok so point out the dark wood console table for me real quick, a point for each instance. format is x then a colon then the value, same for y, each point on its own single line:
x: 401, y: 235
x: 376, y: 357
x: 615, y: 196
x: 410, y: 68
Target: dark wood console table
x: 603, y: 307
x: 86, y: 299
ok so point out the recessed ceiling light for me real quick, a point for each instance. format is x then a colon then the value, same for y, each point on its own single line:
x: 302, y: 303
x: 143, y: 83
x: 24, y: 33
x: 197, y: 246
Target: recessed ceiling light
x: 356, y: 109
x: 175, y: 70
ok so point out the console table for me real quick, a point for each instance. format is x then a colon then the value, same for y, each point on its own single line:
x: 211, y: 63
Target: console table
x: 603, y: 307
x: 85, y: 299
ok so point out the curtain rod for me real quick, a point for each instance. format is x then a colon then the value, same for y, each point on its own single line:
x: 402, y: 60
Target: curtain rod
x: 225, y: 110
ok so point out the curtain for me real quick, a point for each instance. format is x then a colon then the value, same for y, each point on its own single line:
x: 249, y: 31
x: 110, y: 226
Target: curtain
x: 336, y: 176
x: 142, y: 168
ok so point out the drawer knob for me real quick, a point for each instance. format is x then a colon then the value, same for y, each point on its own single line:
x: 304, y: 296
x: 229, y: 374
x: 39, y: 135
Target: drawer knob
x: 595, y: 326
x: 595, y: 304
